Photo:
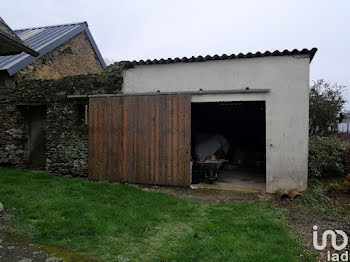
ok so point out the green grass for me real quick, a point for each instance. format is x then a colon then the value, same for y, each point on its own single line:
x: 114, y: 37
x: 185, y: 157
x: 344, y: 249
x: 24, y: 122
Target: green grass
x: 107, y: 221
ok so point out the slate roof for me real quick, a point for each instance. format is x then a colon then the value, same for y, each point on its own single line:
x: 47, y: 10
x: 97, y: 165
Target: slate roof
x: 45, y: 39
x: 10, y: 43
x: 310, y: 53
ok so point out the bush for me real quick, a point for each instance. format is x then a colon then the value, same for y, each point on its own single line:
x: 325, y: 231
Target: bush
x: 326, y: 102
x: 315, y: 196
x: 328, y: 157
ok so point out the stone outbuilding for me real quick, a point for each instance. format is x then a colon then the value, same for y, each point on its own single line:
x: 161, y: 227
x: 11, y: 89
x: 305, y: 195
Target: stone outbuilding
x: 62, y: 50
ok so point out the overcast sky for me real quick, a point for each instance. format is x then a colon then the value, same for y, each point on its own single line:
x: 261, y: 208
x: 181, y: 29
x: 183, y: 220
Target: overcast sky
x: 136, y: 29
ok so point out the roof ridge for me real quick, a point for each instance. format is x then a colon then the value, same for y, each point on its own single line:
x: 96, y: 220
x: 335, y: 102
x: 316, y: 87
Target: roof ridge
x: 57, y: 25
x: 201, y: 58
x: 45, y: 39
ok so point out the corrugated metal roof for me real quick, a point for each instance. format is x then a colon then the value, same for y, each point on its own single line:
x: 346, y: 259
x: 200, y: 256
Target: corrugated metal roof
x: 10, y: 43
x: 44, y: 39
x: 192, y: 59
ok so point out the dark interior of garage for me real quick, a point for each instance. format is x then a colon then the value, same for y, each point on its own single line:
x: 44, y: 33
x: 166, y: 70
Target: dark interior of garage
x: 228, y: 145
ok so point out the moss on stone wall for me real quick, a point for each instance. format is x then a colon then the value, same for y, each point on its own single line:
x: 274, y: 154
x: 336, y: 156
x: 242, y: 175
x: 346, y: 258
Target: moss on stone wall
x: 66, y: 137
x: 109, y: 81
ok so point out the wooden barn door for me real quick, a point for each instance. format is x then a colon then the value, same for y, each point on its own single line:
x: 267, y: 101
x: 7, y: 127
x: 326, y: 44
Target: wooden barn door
x: 35, y: 146
x: 140, y: 139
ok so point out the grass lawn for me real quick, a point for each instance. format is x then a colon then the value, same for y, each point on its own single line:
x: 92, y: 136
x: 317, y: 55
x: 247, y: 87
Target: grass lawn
x: 108, y: 221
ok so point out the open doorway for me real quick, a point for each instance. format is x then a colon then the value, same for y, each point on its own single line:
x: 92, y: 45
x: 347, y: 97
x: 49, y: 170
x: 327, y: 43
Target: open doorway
x: 229, y: 145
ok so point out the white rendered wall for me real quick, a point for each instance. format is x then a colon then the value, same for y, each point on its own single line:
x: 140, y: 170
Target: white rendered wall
x: 287, y: 103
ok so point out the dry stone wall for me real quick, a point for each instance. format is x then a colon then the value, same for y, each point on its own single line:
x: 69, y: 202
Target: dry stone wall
x: 66, y: 132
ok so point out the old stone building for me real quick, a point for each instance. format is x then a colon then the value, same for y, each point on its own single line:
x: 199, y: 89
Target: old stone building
x: 65, y: 50
x: 74, y: 57
x: 44, y: 103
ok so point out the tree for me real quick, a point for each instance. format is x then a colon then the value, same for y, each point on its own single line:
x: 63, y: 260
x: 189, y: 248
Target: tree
x: 109, y: 61
x: 326, y: 103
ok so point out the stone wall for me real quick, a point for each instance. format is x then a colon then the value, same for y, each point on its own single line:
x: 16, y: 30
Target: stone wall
x: 66, y: 132
x: 11, y: 127
x: 74, y: 57
x: 66, y: 140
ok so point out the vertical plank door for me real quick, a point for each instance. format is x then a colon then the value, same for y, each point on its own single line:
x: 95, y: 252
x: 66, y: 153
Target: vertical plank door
x: 140, y: 139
